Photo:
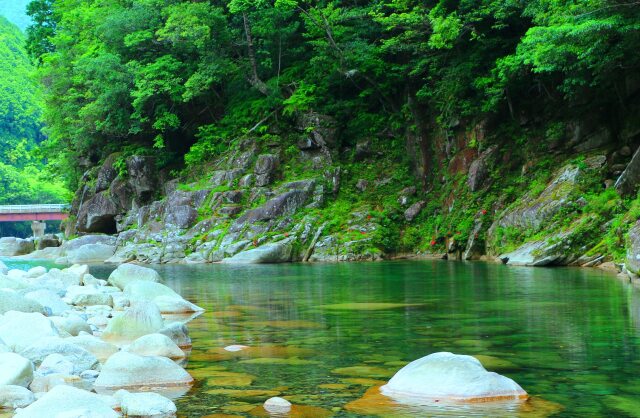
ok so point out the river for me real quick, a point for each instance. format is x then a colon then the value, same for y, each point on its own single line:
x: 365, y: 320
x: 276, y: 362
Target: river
x: 321, y: 334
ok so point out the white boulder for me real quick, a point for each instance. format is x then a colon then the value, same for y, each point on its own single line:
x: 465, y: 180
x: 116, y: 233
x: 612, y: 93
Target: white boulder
x: 450, y: 377
x: 36, y: 272
x: 92, y: 299
x: 178, y: 333
x: 69, y: 402
x: 19, y: 330
x: 12, y: 301
x: 55, y: 364
x: 50, y: 300
x: 164, y: 297
x: 142, y: 319
x: 146, y: 404
x: 90, y: 253
x: 101, y: 349
x: 127, y: 273
x: 71, y: 324
x: 156, y: 345
x: 125, y: 370
x: 78, y: 356
x: 277, y: 405
x: 15, y: 370
x: 12, y: 396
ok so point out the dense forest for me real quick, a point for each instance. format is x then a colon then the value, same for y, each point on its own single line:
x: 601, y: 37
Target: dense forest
x: 189, y: 77
x: 414, y: 91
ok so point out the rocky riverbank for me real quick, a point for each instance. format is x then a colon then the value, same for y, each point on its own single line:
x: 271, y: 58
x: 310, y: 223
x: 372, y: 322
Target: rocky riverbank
x: 72, y: 345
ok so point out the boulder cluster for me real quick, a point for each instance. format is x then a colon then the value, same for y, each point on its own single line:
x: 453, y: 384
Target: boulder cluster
x: 73, y: 345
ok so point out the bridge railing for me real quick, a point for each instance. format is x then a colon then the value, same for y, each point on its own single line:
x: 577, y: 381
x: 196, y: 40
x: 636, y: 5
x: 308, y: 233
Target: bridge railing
x: 16, y: 209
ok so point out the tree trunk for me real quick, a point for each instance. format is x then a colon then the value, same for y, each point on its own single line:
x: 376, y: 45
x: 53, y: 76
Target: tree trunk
x: 254, y: 79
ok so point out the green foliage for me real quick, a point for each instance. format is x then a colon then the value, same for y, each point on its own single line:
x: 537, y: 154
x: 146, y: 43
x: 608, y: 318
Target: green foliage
x: 24, y: 179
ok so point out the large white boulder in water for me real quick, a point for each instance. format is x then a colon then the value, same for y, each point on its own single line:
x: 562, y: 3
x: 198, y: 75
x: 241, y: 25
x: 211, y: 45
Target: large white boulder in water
x: 447, y: 376
x: 65, y: 400
x: 19, y: 330
x: 15, y: 370
x: 127, y: 273
x: 125, y: 370
x: 141, y: 319
x: 164, y: 297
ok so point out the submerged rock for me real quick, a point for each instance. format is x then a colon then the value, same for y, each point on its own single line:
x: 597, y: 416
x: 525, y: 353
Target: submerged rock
x: 451, y: 377
x: 127, y: 273
x: 125, y: 369
x: 235, y: 348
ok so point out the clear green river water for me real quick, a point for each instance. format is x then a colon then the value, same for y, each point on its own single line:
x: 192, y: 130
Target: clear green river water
x: 322, y: 335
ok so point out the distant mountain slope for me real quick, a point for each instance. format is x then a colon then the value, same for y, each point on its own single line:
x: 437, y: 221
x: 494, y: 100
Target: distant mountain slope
x: 20, y: 108
x: 15, y: 12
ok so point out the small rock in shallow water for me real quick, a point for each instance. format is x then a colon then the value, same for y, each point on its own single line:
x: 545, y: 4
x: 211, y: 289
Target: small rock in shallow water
x: 277, y: 405
x: 145, y: 404
x: 235, y: 347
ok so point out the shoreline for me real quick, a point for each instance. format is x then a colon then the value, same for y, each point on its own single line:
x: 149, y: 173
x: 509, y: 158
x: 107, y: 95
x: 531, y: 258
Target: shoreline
x: 93, y: 346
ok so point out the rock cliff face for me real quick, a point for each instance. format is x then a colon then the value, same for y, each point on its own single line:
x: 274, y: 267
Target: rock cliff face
x: 309, y: 197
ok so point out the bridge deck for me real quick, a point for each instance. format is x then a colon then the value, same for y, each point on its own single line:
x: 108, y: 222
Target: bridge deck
x: 14, y: 209
x: 17, y: 213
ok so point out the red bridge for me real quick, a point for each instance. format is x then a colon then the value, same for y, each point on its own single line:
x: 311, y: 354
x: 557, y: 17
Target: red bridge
x: 17, y: 213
